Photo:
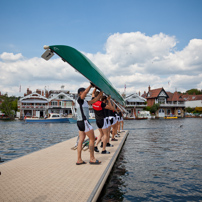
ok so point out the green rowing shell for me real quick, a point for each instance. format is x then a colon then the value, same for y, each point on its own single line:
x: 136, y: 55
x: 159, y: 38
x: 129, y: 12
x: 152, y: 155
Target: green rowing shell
x: 82, y: 64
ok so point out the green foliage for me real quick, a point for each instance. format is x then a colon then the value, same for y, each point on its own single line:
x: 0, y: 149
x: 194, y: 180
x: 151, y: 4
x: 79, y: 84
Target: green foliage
x: 189, y: 109
x: 147, y: 108
x: 154, y: 108
x: 192, y: 91
x: 8, y: 105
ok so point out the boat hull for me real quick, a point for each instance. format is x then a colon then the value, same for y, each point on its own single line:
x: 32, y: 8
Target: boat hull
x: 83, y: 65
x: 60, y: 120
x: 174, y: 117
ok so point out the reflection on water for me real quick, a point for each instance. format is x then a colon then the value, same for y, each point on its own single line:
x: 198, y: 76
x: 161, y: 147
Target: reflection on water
x: 160, y: 161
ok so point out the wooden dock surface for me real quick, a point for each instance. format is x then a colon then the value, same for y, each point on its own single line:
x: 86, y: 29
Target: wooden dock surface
x: 51, y: 174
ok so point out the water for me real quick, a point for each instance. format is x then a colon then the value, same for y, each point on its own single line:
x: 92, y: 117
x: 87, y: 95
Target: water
x: 160, y: 161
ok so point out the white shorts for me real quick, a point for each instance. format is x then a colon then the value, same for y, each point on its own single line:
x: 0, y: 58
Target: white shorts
x: 108, y: 121
x: 112, y: 120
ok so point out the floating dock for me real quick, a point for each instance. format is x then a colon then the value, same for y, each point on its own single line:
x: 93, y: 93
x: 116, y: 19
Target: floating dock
x: 51, y: 174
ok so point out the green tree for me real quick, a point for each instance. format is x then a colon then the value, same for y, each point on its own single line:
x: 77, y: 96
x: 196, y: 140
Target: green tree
x: 189, y: 109
x: 147, y: 108
x: 8, y: 105
x: 154, y: 108
x: 192, y: 91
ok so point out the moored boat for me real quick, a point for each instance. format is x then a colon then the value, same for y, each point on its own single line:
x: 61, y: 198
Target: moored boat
x: 52, y: 118
x: 170, y: 117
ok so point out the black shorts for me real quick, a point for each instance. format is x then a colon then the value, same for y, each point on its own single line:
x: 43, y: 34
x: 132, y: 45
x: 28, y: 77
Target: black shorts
x: 84, y: 126
x: 101, y: 123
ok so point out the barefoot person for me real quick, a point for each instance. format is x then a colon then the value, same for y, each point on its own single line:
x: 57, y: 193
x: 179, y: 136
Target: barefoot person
x: 84, y: 126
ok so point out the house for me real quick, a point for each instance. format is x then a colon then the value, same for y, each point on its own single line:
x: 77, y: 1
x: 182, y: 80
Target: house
x: 40, y: 103
x: 60, y: 102
x: 192, y: 100
x: 134, y: 104
x: 171, y: 104
x: 33, y: 105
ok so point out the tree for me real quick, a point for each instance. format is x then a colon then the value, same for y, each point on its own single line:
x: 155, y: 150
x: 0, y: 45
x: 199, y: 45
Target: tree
x: 147, y: 108
x: 8, y: 105
x: 192, y: 91
x: 189, y: 109
x: 154, y: 108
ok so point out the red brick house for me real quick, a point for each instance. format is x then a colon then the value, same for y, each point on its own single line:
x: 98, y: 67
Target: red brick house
x: 171, y: 104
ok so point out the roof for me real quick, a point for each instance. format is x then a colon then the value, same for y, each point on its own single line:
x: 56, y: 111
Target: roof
x: 177, y: 97
x: 134, y: 98
x: 161, y: 92
x: 155, y: 93
x: 188, y: 97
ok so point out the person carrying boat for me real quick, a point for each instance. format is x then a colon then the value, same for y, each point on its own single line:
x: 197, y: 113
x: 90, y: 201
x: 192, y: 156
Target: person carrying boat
x: 106, y: 117
x: 113, y: 121
x: 101, y: 121
x: 121, y: 120
x: 83, y: 124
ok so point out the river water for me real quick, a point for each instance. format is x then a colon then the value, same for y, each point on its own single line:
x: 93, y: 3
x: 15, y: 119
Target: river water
x: 161, y: 159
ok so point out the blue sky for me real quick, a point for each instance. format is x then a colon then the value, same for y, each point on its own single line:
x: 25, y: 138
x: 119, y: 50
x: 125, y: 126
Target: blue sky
x: 27, y: 25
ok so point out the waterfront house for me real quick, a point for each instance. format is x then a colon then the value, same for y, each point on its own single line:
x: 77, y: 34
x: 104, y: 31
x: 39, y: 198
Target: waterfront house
x: 60, y: 102
x: 33, y: 105
x: 40, y: 103
x: 192, y: 100
x: 134, y: 104
x: 171, y: 104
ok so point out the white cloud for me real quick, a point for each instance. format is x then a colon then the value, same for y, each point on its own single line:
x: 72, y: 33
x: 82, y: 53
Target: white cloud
x: 133, y: 59
x: 9, y: 57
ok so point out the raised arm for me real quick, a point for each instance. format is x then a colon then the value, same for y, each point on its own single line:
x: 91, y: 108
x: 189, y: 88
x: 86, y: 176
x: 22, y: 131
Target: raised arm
x: 83, y: 95
x: 96, y: 98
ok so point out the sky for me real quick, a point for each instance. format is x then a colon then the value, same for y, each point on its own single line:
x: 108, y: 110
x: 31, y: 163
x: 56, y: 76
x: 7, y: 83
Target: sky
x: 135, y: 43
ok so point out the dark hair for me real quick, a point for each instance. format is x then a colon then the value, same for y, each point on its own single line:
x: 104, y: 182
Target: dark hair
x: 97, y: 93
x: 81, y: 90
x: 104, y: 98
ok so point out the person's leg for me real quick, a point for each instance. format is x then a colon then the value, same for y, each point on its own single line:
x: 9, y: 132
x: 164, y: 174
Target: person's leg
x: 105, y: 131
x: 79, y: 148
x: 114, y: 131
x: 91, y: 136
x: 122, y: 124
x: 118, y: 126
x: 99, y: 137
x: 108, y: 134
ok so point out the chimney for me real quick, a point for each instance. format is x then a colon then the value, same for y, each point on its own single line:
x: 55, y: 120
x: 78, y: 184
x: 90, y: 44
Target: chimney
x: 139, y: 93
x: 149, y: 88
x: 0, y: 93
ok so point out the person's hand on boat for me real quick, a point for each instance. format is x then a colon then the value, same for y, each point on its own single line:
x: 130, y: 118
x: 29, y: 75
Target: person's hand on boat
x: 109, y: 97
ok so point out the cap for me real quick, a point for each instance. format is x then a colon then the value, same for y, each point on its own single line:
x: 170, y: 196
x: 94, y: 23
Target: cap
x: 81, y: 90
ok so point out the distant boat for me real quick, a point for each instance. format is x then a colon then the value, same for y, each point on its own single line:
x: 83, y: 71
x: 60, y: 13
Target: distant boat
x: 170, y: 117
x: 3, y: 117
x: 52, y: 118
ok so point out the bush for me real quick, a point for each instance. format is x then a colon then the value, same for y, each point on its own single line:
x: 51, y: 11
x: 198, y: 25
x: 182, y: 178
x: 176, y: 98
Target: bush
x: 189, y: 109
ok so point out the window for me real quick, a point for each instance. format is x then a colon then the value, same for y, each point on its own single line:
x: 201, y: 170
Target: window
x: 161, y: 100
x: 161, y: 110
x: 55, y: 103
